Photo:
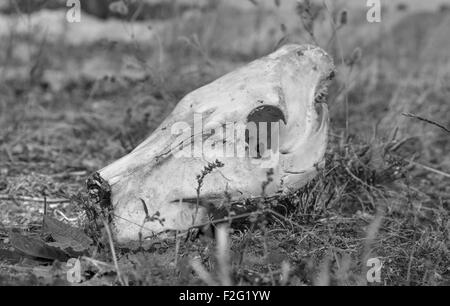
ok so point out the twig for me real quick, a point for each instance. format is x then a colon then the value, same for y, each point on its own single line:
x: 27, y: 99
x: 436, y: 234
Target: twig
x: 408, y: 273
x: 113, y: 253
x: 223, y: 255
x: 202, y: 273
x: 358, y: 179
x: 227, y: 219
x: 372, y: 232
x: 427, y: 121
x: 177, y: 247
x: 7, y: 197
x: 285, y: 271
x: 97, y: 263
x: 431, y: 169
x: 45, y: 211
x: 57, y: 211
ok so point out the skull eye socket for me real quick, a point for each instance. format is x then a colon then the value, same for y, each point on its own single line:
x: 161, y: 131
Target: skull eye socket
x: 262, y: 130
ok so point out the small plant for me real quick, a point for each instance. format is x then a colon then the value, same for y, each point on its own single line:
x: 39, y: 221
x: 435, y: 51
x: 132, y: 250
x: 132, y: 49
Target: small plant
x: 200, y: 177
x: 268, y: 180
x: 223, y: 260
x: 308, y: 13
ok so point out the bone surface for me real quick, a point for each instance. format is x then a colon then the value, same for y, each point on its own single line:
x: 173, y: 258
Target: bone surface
x: 154, y: 189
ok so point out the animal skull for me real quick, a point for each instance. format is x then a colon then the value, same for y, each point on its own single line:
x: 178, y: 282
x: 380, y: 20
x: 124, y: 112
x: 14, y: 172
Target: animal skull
x: 154, y: 188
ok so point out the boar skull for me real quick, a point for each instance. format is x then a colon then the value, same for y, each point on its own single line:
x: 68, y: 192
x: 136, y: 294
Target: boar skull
x: 157, y: 187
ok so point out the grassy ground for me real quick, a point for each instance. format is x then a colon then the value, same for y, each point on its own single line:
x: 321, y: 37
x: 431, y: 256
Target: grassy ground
x: 67, y: 111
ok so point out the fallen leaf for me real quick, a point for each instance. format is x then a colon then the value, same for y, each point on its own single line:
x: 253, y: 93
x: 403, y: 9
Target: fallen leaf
x: 35, y: 247
x: 66, y: 236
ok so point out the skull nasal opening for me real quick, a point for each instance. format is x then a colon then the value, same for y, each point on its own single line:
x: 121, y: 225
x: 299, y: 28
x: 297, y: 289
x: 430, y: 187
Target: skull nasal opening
x: 262, y: 130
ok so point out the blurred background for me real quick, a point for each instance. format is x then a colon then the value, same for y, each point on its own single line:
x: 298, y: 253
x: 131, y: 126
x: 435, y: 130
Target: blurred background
x: 127, y: 62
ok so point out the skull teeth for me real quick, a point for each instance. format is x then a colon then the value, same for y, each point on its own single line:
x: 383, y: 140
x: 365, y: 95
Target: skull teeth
x: 321, y: 96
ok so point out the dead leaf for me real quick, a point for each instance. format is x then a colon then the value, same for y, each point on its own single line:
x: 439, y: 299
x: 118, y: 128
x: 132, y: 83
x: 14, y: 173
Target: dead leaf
x: 66, y: 236
x: 35, y: 247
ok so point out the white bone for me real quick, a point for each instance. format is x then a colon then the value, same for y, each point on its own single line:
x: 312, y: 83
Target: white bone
x: 285, y: 82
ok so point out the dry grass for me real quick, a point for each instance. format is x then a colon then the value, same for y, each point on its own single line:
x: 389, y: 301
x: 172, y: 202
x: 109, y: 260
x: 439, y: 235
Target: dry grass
x: 371, y: 200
